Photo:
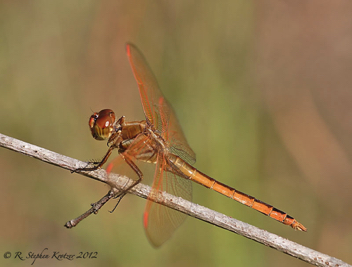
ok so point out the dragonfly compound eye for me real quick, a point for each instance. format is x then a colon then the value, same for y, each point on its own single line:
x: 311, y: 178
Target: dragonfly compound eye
x: 101, y: 124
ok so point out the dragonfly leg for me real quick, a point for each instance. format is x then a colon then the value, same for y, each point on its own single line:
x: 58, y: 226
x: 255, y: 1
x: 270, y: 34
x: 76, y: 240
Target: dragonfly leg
x: 139, y: 173
x: 96, y: 164
x: 135, y: 168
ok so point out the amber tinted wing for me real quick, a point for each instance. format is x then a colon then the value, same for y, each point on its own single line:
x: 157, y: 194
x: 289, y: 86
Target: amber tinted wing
x: 159, y: 221
x: 156, y: 108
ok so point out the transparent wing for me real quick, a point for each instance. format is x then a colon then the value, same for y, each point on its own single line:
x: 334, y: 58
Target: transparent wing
x: 156, y: 108
x: 160, y: 222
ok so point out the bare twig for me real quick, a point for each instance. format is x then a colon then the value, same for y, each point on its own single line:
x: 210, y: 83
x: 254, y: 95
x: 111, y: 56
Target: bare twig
x: 118, y: 182
x: 94, y: 209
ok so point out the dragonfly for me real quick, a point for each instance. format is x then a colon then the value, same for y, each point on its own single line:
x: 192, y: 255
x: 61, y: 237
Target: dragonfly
x: 160, y: 140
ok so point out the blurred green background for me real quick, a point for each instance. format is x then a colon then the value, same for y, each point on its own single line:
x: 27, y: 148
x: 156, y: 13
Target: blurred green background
x: 263, y: 91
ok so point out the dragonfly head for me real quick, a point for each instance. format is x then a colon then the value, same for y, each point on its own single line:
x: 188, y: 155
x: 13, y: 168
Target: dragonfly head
x: 101, y: 124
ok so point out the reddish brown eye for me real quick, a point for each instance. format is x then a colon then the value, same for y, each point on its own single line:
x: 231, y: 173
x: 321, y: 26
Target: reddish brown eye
x: 102, y: 124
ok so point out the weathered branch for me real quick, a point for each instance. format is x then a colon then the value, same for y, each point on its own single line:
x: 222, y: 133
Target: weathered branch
x: 119, y: 182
